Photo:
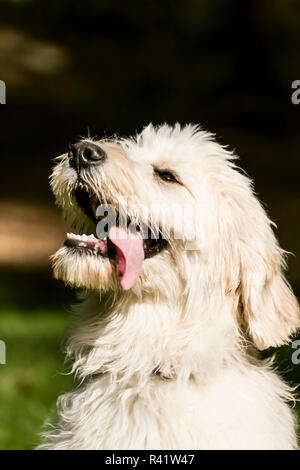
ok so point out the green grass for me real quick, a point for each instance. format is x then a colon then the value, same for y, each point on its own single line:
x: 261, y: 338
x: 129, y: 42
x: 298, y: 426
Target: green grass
x: 33, y: 375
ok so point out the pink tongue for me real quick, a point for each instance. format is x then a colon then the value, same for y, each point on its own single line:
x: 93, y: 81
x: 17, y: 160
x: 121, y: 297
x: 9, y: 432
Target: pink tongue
x: 129, y: 255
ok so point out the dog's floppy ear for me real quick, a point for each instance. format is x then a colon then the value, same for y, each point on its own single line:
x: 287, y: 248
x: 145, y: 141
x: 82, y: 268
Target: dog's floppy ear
x: 268, y: 308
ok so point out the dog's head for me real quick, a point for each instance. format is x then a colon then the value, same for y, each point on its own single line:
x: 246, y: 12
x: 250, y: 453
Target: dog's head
x: 167, y: 215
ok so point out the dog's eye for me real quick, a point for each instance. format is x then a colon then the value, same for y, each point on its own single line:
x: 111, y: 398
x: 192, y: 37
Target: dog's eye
x: 166, y: 175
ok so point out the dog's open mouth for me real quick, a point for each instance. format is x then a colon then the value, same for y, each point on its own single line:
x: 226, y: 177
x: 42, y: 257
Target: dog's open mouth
x: 125, y: 247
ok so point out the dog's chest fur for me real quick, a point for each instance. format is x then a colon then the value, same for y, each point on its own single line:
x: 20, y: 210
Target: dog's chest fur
x: 195, y: 402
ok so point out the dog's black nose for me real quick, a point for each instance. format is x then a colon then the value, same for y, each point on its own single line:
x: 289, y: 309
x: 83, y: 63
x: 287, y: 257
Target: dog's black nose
x: 85, y: 154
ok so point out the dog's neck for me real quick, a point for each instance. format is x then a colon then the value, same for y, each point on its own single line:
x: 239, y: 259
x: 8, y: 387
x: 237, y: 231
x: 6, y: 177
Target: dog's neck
x: 130, y: 337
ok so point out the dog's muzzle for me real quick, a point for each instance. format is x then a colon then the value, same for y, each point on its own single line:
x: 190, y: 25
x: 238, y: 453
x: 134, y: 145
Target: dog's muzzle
x: 124, y: 242
x: 85, y: 154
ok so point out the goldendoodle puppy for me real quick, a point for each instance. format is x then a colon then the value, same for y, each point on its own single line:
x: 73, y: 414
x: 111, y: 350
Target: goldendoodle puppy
x: 182, y: 282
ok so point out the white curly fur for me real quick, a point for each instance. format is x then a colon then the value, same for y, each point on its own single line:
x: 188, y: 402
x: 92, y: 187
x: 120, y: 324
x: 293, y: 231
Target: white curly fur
x: 196, y: 315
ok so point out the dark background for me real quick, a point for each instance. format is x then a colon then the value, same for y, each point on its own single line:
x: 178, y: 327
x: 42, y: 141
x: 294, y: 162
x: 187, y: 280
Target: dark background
x: 105, y: 67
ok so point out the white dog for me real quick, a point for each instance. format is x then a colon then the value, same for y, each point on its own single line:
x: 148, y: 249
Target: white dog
x: 167, y: 336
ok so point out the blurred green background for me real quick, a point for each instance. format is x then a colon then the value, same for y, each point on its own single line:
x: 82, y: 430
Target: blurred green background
x: 73, y: 66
